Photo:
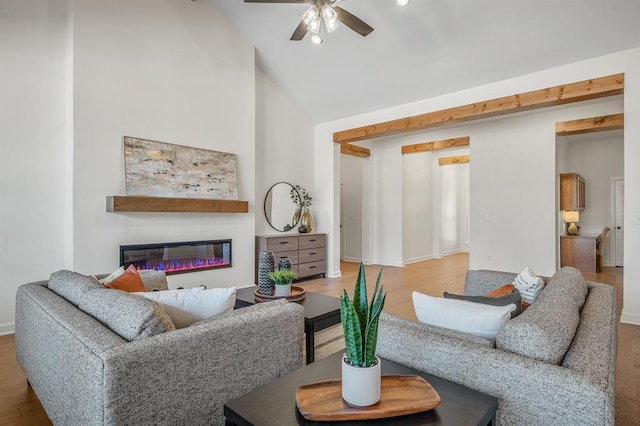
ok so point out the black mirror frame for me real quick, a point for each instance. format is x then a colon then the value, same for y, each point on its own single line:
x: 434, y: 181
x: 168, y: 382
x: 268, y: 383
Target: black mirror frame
x: 264, y: 208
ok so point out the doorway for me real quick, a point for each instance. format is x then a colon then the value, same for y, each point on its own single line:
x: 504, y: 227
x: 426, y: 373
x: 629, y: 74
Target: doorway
x: 617, y: 237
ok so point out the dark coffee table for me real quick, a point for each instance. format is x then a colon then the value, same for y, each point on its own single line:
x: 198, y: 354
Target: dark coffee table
x: 320, y: 312
x: 274, y: 404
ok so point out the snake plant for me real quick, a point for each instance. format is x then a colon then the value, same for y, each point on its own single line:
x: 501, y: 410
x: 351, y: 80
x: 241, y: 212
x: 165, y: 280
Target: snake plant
x: 360, y: 321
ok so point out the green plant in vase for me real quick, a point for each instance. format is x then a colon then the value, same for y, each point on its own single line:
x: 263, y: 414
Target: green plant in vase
x: 361, y: 371
x: 282, y: 276
x: 360, y: 320
x: 282, y: 279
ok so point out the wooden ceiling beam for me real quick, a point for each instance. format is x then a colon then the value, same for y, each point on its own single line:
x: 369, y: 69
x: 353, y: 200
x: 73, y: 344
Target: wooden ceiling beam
x: 596, y: 88
x: 355, y: 150
x: 460, y: 159
x: 436, y: 145
x: 589, y: 125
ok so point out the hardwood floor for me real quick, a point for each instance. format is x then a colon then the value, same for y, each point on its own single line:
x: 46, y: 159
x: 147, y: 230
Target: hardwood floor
x: 20, y: 406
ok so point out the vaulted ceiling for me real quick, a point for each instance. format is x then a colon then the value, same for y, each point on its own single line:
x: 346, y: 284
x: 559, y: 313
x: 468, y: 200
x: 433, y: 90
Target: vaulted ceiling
x: 428, y: 48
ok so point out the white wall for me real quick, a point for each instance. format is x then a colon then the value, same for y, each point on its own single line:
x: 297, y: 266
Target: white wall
x: 513, y: 171
x: 176, y: 72
x: 32, y: 141
x: 284, y: 147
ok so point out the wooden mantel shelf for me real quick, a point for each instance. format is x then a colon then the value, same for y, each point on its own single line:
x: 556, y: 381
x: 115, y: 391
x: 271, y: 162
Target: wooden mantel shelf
x: 117, y: 203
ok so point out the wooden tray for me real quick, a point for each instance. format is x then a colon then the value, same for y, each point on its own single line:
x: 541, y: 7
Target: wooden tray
x: 297, y: 294
x: 399, y: 395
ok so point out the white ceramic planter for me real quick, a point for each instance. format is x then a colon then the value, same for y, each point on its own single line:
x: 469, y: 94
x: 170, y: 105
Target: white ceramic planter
x: 282, y: 290
x: 361, y: 385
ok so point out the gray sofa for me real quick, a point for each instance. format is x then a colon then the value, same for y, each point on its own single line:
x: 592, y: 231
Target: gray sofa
x: 86, y: 374
x: 552, y: 365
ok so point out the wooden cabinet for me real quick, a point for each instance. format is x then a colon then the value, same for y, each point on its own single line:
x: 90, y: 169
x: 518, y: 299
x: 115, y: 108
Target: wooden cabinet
x: 579, y: 251
x: 306, y: 252
x: 572, y: 192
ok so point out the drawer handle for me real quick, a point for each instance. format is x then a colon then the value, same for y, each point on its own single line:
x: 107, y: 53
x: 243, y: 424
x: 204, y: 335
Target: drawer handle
x: 284, y: 257
x: 311, y: 254
x: 312, y: 240
x: 312, y: 267
x: 284, y: 242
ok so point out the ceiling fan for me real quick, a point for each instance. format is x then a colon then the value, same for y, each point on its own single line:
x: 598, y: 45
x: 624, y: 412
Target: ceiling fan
x: 322, y: 11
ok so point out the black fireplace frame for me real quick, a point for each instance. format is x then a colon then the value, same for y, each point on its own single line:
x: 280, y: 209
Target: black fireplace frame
x: 124, y: 249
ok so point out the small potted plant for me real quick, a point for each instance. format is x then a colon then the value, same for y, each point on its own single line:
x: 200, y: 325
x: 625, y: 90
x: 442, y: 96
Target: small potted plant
x: 282, y: 278
x: 361, y: 370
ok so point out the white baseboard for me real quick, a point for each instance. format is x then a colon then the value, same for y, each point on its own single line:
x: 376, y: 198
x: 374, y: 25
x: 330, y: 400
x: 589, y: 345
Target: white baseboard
x: 334, y: 274
x: 7, y: 329
x: 417, y: 259
x: 390, y: 263
x: 628, y: 318
x: 351, y: 259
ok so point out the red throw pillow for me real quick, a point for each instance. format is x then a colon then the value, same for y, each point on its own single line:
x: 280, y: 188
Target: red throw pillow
x: 506, y: 289
x: 129, y: 281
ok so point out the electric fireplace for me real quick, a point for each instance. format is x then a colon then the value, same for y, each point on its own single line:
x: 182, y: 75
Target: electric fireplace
x: 180, y: 257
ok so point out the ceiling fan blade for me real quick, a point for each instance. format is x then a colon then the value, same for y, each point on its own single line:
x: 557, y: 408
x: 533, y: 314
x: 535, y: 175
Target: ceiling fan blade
x: 300, y: 32
x: 353, y: 22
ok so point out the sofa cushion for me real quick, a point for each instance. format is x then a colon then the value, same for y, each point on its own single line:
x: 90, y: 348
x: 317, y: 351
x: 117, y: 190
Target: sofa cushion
x: 545, y: 330
x: 72, y: 285
x: 154, y: 280
x: 186, y: 307
x: 129, y: 316
x: 513, y: 296
x: 467, y: 317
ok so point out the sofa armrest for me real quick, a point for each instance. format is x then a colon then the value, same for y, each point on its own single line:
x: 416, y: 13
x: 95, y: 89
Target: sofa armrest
x: 530, y: 392
x: 186, y: 376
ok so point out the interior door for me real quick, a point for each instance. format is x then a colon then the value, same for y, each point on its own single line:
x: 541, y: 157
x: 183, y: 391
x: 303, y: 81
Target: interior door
x: 619, y: 222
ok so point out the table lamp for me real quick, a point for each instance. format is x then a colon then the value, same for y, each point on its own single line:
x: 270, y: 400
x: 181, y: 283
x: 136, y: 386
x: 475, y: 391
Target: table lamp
x: 571, y: 217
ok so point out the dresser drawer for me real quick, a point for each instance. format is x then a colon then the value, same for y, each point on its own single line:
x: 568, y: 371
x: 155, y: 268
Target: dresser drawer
x: 292, y: 255
x: 311, y: 255
x: 313, y: 268
x: 279, y: 244
x: 311, y: 241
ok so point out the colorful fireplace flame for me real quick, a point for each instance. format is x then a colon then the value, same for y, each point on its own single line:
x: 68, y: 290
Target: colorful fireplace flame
x: 175, y: 258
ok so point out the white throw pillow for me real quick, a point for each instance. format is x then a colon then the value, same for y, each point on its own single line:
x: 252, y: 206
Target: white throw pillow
x: 192, y: 305
x: 528, y: 284
x: 467, y: 317
x: 112, y: 276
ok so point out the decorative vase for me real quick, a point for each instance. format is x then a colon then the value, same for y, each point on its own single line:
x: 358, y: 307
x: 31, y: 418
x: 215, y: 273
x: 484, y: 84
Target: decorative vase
x: 361, y: 385
x: 306, y: 221
x: 283, y: 290
x: 296, y: 217
x: 265, y: 265
x: 284, y: 263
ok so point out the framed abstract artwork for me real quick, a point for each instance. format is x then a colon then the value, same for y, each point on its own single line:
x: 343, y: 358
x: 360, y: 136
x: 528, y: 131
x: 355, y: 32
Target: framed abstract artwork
x: 161, y: 169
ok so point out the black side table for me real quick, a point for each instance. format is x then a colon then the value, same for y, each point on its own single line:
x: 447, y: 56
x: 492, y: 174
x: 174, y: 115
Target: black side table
x: 320, y: 312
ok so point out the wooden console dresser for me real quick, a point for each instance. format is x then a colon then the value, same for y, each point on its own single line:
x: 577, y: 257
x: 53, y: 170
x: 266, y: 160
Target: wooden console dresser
x: 306, y: 252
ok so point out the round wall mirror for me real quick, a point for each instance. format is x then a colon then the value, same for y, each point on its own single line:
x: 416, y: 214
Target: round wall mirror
x: 279, y: 209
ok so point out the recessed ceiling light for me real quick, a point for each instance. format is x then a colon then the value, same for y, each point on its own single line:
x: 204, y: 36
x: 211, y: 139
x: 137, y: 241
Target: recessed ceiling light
x: 403, y: 2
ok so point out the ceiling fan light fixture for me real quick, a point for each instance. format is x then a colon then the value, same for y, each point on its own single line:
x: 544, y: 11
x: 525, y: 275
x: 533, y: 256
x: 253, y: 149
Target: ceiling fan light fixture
x: 330, y: 18
x: 314, y: 26
x: 403, y: 2
x: 311, y: 15
x: 316, y: 39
